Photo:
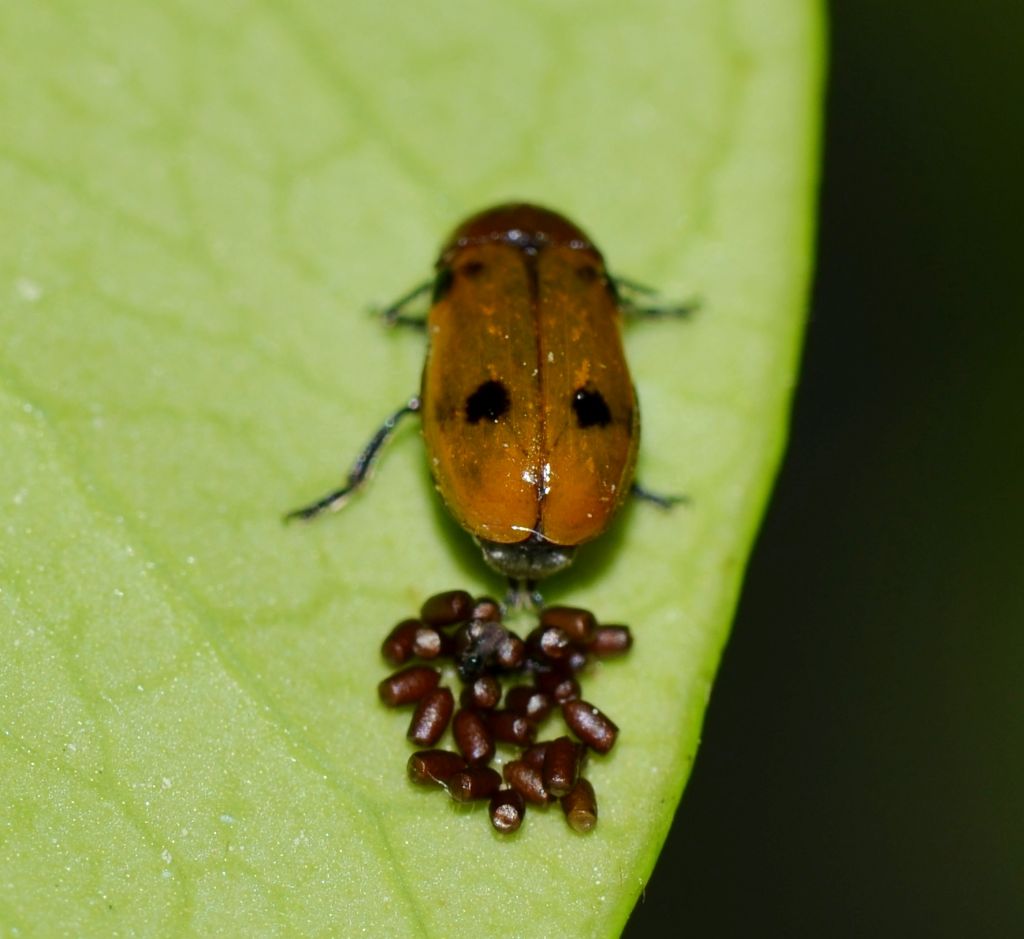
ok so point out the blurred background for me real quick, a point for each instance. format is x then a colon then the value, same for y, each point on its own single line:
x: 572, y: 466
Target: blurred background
x: 862, y: 767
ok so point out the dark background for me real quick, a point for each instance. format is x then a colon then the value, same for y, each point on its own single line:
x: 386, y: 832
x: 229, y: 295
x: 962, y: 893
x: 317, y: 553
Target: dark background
x: 862, y: 767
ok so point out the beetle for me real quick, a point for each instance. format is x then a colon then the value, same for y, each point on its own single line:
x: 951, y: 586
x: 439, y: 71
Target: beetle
x: 529, y: 414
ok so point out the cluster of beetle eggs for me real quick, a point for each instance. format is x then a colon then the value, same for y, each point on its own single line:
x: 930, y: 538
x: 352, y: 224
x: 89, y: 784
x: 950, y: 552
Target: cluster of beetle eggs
x: 454, y: 626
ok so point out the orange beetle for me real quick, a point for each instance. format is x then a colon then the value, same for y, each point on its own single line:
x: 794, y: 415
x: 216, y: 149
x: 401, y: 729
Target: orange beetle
x: 529, y: 415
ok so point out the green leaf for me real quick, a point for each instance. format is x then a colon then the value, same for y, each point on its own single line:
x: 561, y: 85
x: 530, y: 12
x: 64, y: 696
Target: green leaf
x: 200, y: 201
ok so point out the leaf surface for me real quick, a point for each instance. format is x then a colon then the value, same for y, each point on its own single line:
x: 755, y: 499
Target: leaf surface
x: 200, y: 201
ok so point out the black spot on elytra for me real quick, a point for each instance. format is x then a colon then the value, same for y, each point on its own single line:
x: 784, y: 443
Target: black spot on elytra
x: 442, y: 284
x: 587, y: 273
x: 591, y: 408
x: 472, y: 269
x: 489, y: 402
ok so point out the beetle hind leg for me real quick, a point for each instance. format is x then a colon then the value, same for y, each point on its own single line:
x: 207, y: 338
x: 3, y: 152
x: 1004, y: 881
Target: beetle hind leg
x: 397, y: 313
x: 639, y: 301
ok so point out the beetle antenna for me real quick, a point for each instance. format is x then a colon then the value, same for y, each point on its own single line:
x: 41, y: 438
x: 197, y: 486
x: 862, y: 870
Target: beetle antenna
x: 523, y: 595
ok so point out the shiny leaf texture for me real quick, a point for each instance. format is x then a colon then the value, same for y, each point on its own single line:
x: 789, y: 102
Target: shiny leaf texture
x: 200, y: 203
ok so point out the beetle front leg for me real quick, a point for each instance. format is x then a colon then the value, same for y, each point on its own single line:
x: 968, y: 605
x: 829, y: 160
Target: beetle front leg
x: 657, y: 498
x: 361, y: 469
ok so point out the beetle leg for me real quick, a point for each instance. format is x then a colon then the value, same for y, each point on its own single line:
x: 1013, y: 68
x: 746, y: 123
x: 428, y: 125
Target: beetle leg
x: 634, y: 301
x: 661, y: 501
x: 634, y: 286
x: 395, y: 313
x: 361, y: 469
